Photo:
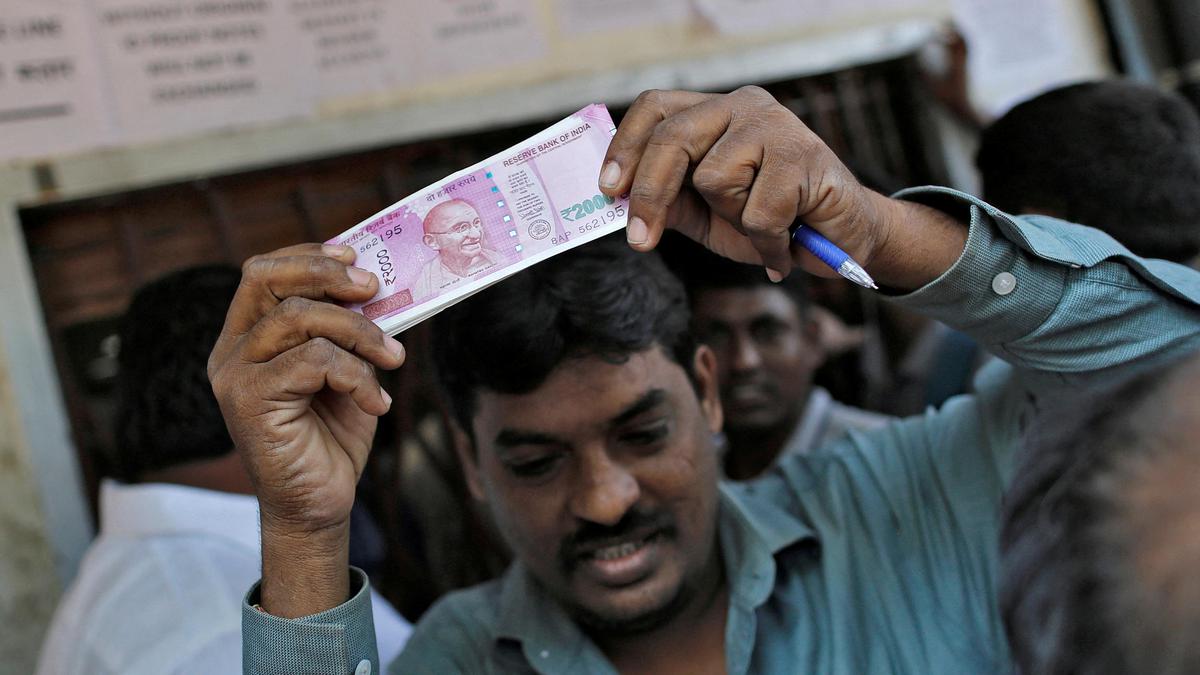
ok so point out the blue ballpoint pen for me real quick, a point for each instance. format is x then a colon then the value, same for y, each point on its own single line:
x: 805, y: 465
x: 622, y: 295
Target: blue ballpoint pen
x: 829, y: 253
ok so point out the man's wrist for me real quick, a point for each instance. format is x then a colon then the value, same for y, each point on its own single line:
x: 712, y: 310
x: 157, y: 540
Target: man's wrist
x: 916, y: 244
x: 304, y: 571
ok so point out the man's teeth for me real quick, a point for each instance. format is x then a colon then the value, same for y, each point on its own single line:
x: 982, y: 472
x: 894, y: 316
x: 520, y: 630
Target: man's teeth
x: 619, y: 551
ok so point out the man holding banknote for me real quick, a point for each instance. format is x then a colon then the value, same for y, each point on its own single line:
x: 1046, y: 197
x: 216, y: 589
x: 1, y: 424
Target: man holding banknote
x: 588, y: 415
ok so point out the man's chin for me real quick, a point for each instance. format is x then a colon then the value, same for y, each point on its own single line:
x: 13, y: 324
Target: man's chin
x: 753, y: 422
x: 631, y: 610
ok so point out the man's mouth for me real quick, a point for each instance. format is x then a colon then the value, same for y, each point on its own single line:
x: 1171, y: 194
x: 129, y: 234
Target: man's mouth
x: 620, y: 550
x: 747, y: 395
x: 624, y: 562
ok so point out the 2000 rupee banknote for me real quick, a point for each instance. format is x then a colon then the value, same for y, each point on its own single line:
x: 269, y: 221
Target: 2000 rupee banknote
x: 487, y: 222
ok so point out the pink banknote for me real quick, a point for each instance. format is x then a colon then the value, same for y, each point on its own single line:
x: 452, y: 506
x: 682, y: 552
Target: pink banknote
x: 487, y: 222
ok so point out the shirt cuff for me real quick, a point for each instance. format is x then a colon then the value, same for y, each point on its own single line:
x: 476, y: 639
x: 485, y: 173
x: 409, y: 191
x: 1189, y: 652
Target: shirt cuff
x: 996, y: 291
x: 337, y: 640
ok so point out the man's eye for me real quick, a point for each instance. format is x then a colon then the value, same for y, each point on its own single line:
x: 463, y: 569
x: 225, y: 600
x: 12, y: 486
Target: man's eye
x: 534, y: 468
x: 769, y: 332
x: 648, y: 436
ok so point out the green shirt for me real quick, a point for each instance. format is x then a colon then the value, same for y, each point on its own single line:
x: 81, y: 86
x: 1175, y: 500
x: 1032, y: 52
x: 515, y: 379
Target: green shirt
x: 879, y: 554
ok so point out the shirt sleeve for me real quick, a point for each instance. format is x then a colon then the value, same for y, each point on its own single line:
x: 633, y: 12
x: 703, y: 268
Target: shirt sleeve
x: 334, y: 642
x: 919, y: 500
x: 1051, y: 296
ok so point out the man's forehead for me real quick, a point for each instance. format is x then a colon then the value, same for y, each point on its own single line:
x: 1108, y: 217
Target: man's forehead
x: 743, y: 303
x: 580, y: 393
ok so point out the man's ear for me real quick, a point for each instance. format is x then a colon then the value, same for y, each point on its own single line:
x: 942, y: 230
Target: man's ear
x: 467, y: 459
x: 430, y: 242
x: 704, y: 366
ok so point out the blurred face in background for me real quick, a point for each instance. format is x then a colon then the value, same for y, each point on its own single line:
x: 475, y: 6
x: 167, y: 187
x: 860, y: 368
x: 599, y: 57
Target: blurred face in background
x: 766, y: 349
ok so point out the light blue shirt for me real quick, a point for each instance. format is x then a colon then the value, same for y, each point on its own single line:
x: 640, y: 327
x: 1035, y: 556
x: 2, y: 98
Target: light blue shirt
x: 878, y: 554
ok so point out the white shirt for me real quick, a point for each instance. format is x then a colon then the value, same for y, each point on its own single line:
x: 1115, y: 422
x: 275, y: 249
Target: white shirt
x: 160, y: 590
x: 824, y: 420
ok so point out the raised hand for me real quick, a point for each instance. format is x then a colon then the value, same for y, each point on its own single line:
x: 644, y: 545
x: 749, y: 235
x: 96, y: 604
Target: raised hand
x: 294, y: 375
x: 735, y: 172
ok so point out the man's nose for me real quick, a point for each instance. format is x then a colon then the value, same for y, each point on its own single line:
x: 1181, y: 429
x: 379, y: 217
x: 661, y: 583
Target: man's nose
x: 745, y: 354
x: 604, y: 490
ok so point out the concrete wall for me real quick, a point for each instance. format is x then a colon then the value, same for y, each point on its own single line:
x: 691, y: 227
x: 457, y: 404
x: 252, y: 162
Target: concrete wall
x: 29, y: 586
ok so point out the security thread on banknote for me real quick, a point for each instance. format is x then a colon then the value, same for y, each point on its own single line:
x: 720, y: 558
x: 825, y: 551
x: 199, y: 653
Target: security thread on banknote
x: 487, y: 222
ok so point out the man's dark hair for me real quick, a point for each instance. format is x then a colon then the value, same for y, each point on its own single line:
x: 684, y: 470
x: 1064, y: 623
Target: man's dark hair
x: 1098, y: 552
x: 1118, y: 156
x: 601, y: 299
x: 702, y: 270
x: 166, y: 413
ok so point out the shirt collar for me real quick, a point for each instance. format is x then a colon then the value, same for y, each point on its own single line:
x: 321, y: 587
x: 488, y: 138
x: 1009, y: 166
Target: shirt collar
x: 750, y: 530
x: 157, y: 509
x: 535, y: 624
x: 811, y: 425
x: 753, y: 530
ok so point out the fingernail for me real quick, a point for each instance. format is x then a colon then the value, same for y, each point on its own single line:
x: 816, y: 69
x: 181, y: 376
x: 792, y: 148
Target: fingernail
x: 394, y: 346
x: 774, y: 275
x: 635, y: 231
x: 334, y: 250
x: 387, y: 398
x: 610, y: 175
x: 359, y: 276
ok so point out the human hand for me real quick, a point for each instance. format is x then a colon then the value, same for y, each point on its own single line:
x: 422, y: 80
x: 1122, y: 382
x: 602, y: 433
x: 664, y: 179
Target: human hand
x: 735, y: 172
x: 294, y: 376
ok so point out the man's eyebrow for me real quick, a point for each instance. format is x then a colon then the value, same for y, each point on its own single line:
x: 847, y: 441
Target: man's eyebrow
x: 649, y: 400
x: 509, y: 438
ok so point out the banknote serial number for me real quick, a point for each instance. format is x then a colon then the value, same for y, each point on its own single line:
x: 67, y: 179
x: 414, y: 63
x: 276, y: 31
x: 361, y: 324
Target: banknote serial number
x: 384, y: 235
x: 586, y: 207
x: 602, y: 218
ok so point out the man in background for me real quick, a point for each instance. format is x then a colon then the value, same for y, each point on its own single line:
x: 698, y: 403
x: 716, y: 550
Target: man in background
x: 160, y: 589
x: 768, y: 345
x: 1101, y: 536
x: 1118, y: 156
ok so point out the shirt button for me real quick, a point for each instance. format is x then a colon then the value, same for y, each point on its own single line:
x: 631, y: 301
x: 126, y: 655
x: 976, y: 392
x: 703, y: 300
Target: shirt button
x: 1004, y: 283
x: 545, y: 654
x: 364, y: 668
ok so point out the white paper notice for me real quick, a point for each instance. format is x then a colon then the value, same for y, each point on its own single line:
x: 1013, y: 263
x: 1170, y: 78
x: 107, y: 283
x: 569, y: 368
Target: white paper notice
x: 182, y: 66
x: 1019, y: 48
x: 759, y: 16
x: 452, y: 37
x: 763, y: 16
x: 579, y: 17
x: 353, y: 45
x: 50, y: 95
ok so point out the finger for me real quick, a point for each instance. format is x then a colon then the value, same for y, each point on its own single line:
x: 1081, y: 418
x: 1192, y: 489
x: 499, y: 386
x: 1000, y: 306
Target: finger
x: 318, y: 364
x: 297, y: 320
x: 690, y: 216
x: 345, y: 254
x: 625, y: 150
x: 268, y: 279
x: 726, y: 174
x: 770, y: 212
x: 676, y: 144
